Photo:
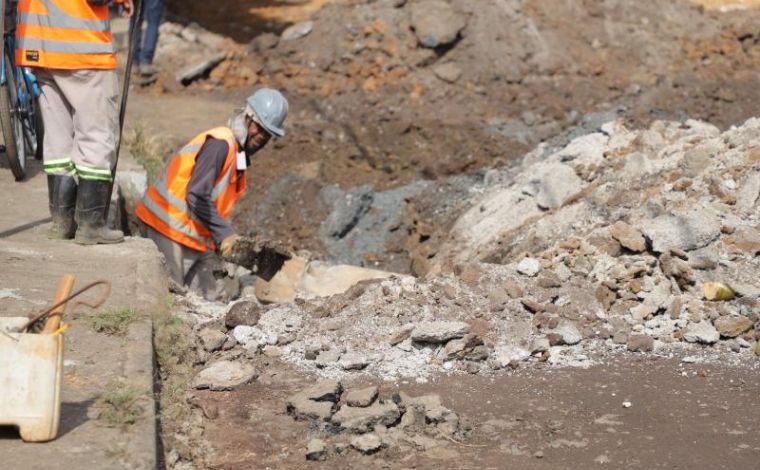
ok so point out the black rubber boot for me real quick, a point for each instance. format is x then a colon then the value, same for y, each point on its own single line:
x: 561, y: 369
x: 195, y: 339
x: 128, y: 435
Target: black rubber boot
x: 92, y: 199
x: 62, y: 195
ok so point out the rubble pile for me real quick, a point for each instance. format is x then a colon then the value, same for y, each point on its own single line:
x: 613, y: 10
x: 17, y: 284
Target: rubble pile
x: 360, y: 420
x: 620, y: 241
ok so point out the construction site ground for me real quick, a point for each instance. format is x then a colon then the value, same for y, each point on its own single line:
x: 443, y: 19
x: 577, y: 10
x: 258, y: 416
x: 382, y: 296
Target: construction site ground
x: 357, y: 130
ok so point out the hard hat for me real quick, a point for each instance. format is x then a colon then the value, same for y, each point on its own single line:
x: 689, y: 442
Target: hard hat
x: 268, y: 108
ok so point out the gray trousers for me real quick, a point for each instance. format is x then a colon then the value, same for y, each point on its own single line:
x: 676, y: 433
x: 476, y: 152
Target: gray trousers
x: 186, y: 266
x: 81, y: 116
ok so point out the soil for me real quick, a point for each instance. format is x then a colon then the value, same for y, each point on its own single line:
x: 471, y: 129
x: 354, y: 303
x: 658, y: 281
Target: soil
x: 368, y: 109
x: 681, y: 416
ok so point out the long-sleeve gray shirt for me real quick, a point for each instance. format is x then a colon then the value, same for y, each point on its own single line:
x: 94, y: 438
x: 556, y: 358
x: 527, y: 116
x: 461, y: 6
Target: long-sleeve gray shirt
x: 208, y: 166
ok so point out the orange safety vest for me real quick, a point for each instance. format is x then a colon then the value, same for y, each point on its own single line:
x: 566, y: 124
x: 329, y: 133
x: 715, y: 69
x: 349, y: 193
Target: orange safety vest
x: 164, y: 207
x: 64, y: 34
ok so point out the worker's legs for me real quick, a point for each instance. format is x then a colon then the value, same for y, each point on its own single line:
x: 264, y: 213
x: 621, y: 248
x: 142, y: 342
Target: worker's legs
x: 145, y: 48
x: 58, y: 146
x: 92, y: 95
x: 186, y: 266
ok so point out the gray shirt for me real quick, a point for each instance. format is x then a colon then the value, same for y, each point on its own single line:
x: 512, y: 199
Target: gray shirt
x: 208, y: 166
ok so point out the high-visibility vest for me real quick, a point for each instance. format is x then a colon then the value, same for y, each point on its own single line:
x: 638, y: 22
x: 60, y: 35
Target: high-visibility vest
x: 164, y: 207
x: 64, y: 34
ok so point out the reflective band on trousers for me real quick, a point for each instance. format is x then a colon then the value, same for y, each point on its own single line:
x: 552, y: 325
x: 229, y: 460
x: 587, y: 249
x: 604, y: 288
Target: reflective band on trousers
x: 172, y: 223
x: 68, y: 47
x: 58, y: 18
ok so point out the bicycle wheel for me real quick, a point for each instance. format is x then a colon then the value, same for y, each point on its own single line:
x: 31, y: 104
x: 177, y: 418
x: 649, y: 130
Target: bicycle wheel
x: 11, y: 125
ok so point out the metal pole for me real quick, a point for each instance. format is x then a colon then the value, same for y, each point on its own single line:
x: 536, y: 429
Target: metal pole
x: 134, y: 23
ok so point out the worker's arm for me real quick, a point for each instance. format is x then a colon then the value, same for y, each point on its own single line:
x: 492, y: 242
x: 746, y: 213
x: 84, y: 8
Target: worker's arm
x: 208, y: 167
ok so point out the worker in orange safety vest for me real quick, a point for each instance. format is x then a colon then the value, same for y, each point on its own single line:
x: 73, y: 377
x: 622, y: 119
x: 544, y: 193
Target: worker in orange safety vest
x: 70, y: 47
x: 187, y: 211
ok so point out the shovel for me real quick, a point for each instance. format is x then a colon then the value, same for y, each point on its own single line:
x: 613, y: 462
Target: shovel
x: 263, y: 258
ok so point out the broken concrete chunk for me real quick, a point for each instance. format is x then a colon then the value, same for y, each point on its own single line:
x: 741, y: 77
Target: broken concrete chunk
x: 436, y: 23
x: 225, y: 375
x: 731, y: 326
x: 324, y: 390
x: 362, y: 397
x: 569, y: 333
x: 353, y: 361
x: 244, y: 312
x: 529, y: 266
x: 694, y: 229
x: 366, y: 443
x: 439, y: 331
x: 316, y: 450
x: 628, y: 236
x: 212, y: 339
x: 327, y: 358
x: 297, y: 31
x: 557, y: 185
x: 363, y: 420
x: 702, y: 332
x: 640, y: 343
x: 192, y: 72
x: 302, y: 408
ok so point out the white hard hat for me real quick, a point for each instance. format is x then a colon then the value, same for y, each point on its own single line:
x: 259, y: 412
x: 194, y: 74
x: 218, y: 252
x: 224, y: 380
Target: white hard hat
x: 268, y: 108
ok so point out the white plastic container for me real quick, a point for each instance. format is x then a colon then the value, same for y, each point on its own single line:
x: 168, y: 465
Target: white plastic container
x: 31, y: 368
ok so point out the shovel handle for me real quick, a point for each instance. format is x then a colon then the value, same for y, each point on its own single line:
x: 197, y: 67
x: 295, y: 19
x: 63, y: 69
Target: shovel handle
x: 54, y: 318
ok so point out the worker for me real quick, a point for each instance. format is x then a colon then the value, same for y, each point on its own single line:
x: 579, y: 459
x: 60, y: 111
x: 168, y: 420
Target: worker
x: 145, y: 46
x: 68, y: 43
x: 187, y: 211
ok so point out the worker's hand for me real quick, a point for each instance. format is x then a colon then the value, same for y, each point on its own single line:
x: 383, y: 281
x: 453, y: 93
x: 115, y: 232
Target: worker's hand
x: 225, y: 249
x: 129, y: 8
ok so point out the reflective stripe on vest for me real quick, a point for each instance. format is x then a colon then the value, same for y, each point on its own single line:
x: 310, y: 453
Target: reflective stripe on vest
x: 64, y: 34
x: 164, y: 207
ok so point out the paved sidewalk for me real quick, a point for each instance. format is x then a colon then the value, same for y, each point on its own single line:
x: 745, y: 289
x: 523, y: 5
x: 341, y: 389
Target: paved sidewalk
x: 30, y: 268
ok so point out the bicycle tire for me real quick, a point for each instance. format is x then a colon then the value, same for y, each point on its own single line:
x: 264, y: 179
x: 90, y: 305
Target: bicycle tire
x: 16, y: 159
x: 40, y: 128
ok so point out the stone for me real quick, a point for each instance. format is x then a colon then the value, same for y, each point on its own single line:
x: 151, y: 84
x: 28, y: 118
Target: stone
x: 362, y: 397
x: 353, y: 361
x: 557, y: 185
x: 731, y: 326
x: 211, y: 339
x: 529, y: 266
x: 513, y: 289
x: 539, y: 345
x: 448, y: 72
x: 640, y: 343
x: 748, y: 193
x: 744, y: 239
x: 717, y: 291
x: 628, y: 236
x: 435, y: 23
x: 324, y: 390
x: 249, y: 336
x: 688, y: 231
x: 532, y: 306
x: 702, y: 332
x: 316, y: 450
x: 244, y: 312
x: 225, y: 375
x: 197, y: 70
x: 301, y: 408
x: 401, y: 335
x: 439, y: 331
x: 327, y: 358
x: 367, y: 443
x: 297, y: 31
x: 363, y: 420
x: 263, y: 42
x: 569, y: 333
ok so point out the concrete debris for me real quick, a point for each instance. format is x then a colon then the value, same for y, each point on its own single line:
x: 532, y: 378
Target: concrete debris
x: 366, y: 443
x: 316, y: 450
x: 628, y: 236
x: 362, y: 397
x: 225, y: 375
x: 436, y: 23
x: 529, y: 266
x: 194, y: 71
x: 363, y: 420
x: 702, y: 332
x: 439, y: 331
x: 297, y: 31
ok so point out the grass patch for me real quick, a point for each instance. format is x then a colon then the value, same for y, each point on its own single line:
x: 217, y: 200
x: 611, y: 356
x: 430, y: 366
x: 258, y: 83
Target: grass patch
x: 112, y: 322
x: 175, y: 354
x: 147, y: 149
x: 120, y: 405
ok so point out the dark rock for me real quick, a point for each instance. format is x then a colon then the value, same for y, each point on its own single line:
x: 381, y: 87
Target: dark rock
x: 245, y: 312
